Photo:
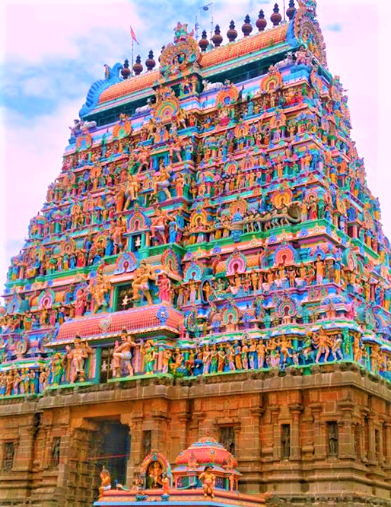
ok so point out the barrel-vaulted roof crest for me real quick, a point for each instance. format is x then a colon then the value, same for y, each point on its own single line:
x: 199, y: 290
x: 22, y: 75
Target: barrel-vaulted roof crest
x: 184, y: 53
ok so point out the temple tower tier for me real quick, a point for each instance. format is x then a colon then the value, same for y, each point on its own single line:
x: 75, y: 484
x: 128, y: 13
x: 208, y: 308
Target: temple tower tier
x: 209, y: 266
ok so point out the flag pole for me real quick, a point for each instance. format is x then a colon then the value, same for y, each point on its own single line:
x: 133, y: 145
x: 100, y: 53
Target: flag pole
x: 132, y: 56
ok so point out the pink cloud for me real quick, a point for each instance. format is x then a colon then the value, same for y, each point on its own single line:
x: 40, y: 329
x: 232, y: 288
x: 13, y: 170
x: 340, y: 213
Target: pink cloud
x: 32, y: 154
x: 358, y: 54
x: 35, y: 31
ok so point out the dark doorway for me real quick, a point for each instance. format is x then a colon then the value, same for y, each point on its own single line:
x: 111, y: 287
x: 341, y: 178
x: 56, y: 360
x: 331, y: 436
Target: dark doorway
x: 227, y: 438
x: 136, y: 243
x: 116, y: 451
x: 124, y: 297
x: 105, y: 368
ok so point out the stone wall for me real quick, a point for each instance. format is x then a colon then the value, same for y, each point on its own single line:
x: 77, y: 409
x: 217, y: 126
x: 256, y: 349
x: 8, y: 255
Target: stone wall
x: 298, y: 438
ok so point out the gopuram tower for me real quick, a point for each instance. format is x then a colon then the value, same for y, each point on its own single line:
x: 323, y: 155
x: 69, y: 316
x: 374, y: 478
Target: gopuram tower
x: 209, y: 261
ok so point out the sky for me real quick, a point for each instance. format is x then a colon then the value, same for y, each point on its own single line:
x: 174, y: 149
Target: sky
x: 51, y: 52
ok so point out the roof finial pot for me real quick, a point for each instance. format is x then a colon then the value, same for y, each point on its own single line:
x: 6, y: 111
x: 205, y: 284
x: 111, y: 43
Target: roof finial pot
x: 203, y: 43
x: 290, y: 12
x: 232, y: 33
x: 125, y: 71
x: 150, y: 62
x: 261, y: 21
x: 276, y: 16
x: 247, y: 26
x: 217, y: 38
x: 138, y: 67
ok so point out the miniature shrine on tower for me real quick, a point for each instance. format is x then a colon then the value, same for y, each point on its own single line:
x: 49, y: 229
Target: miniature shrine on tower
x: 209, y: 261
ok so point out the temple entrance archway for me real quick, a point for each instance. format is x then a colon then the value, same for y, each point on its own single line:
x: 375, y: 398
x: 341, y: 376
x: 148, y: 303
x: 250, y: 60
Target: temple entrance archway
x: 116, y: 450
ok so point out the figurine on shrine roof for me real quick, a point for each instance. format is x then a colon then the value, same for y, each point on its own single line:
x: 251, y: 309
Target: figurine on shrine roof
x: 106, y: 481
x: 181, y: 32
x: 208, y: 480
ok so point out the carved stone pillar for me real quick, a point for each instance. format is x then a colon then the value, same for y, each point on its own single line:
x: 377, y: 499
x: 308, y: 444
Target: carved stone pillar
x: 24, y: 455
x: 159, y: 431
x: 319, y: 432
x: 136, y: 435
x: 380, y: 447
x: 39, y: 450
x: 44, y: 437
x: 66, y: 446
x: 372, y: 458
x: 236, y: 439
x: 364, y: 435
x: 357, y: 430
x: 346, y: 436
x: 387, y: 450
x: 295, y: 431
x: 129, y: 464
x: 275, y: 412
x: 257, y: 415
x: 307, y: 443
x: 183, y: 419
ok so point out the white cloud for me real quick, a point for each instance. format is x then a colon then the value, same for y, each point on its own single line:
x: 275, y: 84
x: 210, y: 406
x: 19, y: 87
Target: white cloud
x: 38, y: 87
x: 32, y: 153
x: 35, y: 31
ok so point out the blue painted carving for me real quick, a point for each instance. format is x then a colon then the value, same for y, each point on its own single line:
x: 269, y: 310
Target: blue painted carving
x: 162, y: 315
x: 111, y: 78
x: 290, y: 35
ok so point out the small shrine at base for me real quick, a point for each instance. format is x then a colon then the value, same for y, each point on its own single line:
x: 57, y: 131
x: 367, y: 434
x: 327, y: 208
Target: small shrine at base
x: 205, y: 472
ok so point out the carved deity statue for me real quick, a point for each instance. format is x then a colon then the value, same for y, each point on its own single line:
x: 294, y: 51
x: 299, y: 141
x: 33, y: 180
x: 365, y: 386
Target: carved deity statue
x: 162, y: 182
x: 76, y: 360
x: 149, y: 355
x: 106, y: 481
x: 143, y: 275
x: 99, y: 288
x: 158, y: 225
x: 123, y: 355
x: 155, y: 475
x: 208, y: 480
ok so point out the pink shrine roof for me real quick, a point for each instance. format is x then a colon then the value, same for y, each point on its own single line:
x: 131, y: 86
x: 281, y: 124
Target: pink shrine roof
x: 137, y: 320
x: 206, y: 451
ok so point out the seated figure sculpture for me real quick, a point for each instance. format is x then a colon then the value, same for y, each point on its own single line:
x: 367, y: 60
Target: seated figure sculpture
x: 208, y: 481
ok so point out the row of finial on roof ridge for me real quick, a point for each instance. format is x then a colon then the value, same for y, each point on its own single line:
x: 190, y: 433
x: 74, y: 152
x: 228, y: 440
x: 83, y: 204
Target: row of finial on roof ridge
x: 217, y: 38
